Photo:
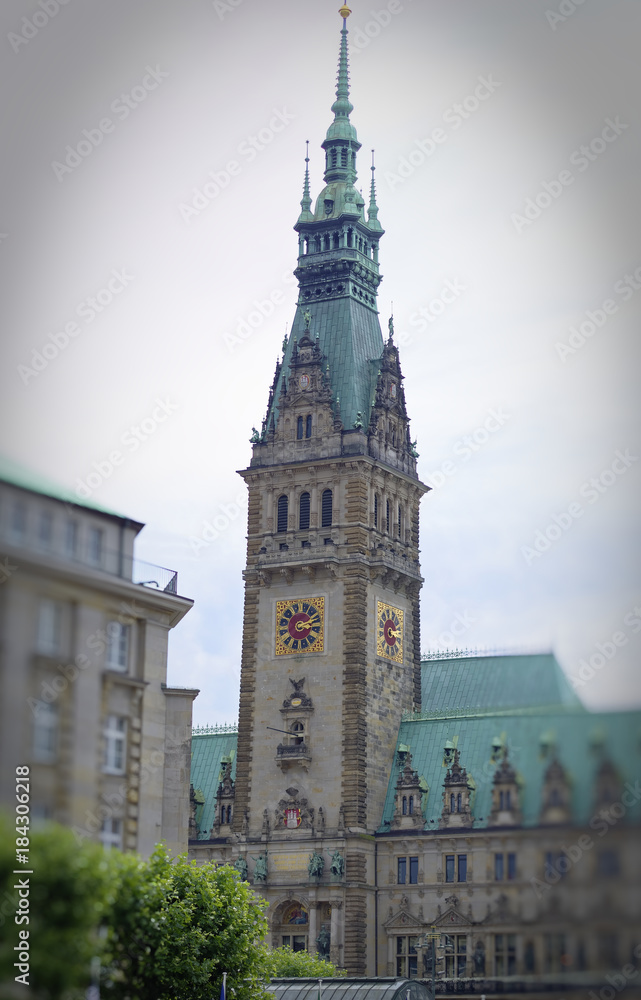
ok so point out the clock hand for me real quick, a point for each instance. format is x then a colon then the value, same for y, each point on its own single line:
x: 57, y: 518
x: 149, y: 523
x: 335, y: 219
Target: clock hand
x: 395, y: 632
x: 299, y: 626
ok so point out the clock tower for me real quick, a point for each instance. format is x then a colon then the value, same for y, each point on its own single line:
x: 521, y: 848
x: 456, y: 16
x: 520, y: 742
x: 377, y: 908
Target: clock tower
x: 331, y: 646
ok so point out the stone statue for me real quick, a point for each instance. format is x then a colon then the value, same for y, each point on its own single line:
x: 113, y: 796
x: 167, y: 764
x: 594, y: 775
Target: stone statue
x: 358, y: 423
x: 316, y: 865
x: 260, y: 868
x: 338, y: 864
x: 413, y: 451
x: 241, y: 867
x: 479, y: 959
x: 255, y: 438
x: 307, y: 316
x: 323, y: 942
x: 390, y: 326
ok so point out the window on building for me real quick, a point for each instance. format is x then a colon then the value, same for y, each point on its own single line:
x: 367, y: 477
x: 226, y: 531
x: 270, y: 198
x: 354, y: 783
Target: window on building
x: 554, y: 953
x: 455, y: 956
x: 117, y: 646
x: 407, y: 805
x: 505, y: 799
x: 556, y: 864
x: 529, y: 957
x: 505, y: 866
x: 299, y: 428
x: 400, y: 521
x: 115, y: 734
x: 49, y: 628
x: 95, y: 550
x: 45, y: 732
x: 18, y: 521
x: 401, y: 871
x: 406, y: 957
x: 111, y: 833
x: 456, y: 867
x: 297, y: 942
x: 326, y: 509
x: 297, y: 729
x: 387, y: 516
x: 308, y: 425
x: 283, y: 505
x: 375, y: 510
x: 405, y: 867
x: 303, y: 512
x: 71, y: 539
x: 456, y: 802
x: 504, y: 954
x: 608, y: 864
x: 45, y: 529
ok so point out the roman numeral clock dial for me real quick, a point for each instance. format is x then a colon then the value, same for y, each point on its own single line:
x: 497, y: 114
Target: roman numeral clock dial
x: 389, y: 632
x: 300, y: 625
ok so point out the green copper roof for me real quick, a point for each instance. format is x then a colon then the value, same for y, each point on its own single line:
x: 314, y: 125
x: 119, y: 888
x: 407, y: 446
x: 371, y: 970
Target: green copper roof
x: 514, y: 681
x: 18, y: 475
x: 580, y: 741
x: 341, y: 127
x: 207, y: 753
x: 350, y: 337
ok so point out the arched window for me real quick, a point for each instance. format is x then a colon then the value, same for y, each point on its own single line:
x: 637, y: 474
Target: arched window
x: 229, y: 814
x: 282, y: 513
x: 411, y: 805
x: 452, y: 802
x: 298, y: 733
x: 405, y: 805
x: 334, y: 157
x: 376, y: 510
x: 387, y: 516
x: 308, y: 426
x: 343, y: 157
x: 299, y: 428
x: 458, y: 802
x: 326, y: 509
x: 303, y: 512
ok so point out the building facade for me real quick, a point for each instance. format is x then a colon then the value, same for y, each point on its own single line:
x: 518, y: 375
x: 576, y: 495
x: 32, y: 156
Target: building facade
x: 83, y: 667
x: 378, y: 801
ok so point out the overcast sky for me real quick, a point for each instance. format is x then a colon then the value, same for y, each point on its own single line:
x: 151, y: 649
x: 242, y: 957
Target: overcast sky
x: 153, y: 157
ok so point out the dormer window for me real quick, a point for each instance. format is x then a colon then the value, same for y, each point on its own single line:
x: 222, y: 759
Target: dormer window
x: 308, y: 425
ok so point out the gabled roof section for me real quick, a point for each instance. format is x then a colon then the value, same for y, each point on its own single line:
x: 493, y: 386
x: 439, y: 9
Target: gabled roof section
x: 510, y: 681
x: 579, y: 740
x: 207, y: 754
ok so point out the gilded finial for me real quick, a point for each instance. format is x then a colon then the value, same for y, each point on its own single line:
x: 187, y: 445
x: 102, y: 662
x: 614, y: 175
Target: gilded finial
x: 344, y: 12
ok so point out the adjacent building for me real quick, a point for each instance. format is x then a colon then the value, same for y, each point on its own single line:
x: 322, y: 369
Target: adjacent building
x: 84, y: 701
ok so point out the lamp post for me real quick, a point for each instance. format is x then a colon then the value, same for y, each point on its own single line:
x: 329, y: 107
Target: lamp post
x: 429, y: 938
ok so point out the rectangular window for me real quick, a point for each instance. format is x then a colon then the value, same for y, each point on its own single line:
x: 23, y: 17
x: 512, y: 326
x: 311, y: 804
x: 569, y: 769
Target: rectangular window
x: 450, y: 860
x: 413, y: 871
x: 45, y: 529
x: 45, y: 732
x: 71, y: 539
x: 406, y: 957
x: 608, y: 864
x: 18, y: 521
x: 111, y: 833
x: 455, y: 956
x: 375, y: 511
x: 117, y: 646
x: 511, y: 865
x: 556, y: 865
x: 554, y: 953
x: 49, y: 628
x: 402, y: 871
x: 462, y: 868
x: 115, y: 744
x: 498, y: 868
x: 504, y: 954
x: 96, y: 546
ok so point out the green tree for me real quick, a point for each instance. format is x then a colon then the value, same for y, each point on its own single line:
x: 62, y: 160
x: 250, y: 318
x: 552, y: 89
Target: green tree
x: 175, y: 927
x: 70, y: 892
x: 282, y: 962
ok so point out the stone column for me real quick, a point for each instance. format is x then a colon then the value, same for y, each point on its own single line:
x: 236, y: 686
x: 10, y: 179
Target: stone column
x: 313, y: 932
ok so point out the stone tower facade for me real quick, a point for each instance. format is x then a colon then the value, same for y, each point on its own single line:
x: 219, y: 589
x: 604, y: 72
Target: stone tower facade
x: 331, y: 650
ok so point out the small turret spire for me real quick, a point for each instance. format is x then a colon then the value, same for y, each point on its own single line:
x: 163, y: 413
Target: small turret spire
x: 306, y: 200
x: 372, y: 211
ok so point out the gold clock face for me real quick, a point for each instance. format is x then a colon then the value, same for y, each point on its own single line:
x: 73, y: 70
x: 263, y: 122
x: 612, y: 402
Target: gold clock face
x: 300, y: 625
x: 389, y: 632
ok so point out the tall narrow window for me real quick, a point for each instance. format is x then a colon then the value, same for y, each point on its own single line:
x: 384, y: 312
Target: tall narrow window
x: 401, y: 871
x: 387, y: 516
x: 18, y: 521
x: 326, y: 509
x: 111, y: 833
x: 49, y: 627
x: 308, y: 426
x: 115, y: 739
x: 45, y: 529
x: 117, y: 646
x: 45, y: 732
x: 96, y: 545
x: 376, y: 510
x: 303, y: 512
x: 282, y: 513
x: 71, y: 539
x: 413, y: 870
x: 400, y: 520
x: 299, y: 428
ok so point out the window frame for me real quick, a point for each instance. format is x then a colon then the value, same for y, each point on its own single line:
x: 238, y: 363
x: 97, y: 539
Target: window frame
x: 49, y: 632
x: 115, y: 745
x: 118, y: 643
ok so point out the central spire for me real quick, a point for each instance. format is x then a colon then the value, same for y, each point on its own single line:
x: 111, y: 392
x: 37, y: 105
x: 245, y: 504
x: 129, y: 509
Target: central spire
x: 341, y: 141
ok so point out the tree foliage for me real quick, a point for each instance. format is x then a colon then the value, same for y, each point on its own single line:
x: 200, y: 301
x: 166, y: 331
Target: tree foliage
x: 282, y: 962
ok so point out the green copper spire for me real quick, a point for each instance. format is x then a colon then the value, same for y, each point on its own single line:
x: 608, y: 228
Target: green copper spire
x: 306, y: 200
x: 372, y: 211
x: 341, y: 141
